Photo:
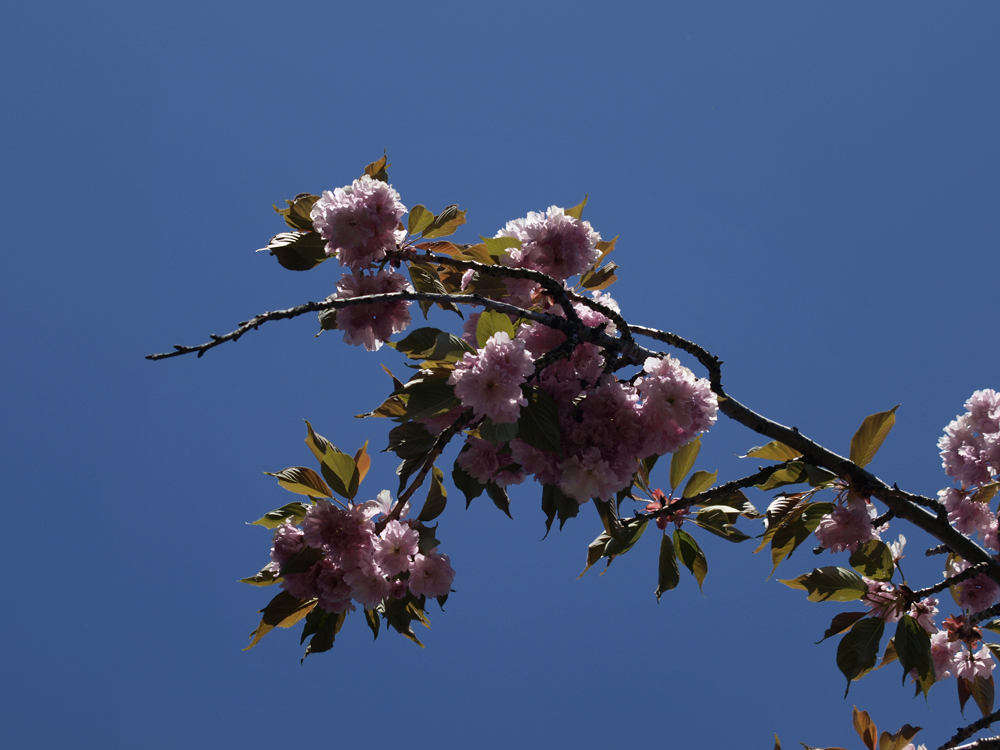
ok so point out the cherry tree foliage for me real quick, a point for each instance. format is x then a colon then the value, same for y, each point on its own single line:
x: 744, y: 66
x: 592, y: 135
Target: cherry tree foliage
x: 544, y: 379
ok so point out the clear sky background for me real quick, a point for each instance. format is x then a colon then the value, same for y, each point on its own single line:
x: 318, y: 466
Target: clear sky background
x: 808, y: 189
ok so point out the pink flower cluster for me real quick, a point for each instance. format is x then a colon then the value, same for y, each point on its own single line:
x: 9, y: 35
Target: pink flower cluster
x: 374, y: 323
x: 973, y: 594
x: 886, y: 601
x: 606, y: 425
x: 970, y: 447
x: 971, y: 516
x: 358, y: 221
x: 553, y: 243
x: 848, y: 526
x: 951, y: 659
x: 489, y: 382
x: 356, y: 564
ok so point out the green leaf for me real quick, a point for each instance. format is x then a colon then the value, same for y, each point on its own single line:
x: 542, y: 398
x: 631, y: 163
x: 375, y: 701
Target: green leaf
x: 499, y: 497
x: 410, y: 440
x: 669, y: 574
x: 317, y: 443
x: 556, y: 503
x: 323, y: 628
x: 445, y: 223
x: 993, y: 626
x: 302, y: 480
x: 490, y: 323
x: 577, y: 211
x: 425, y: 279
x: 830, y: 584
x: 793, y: 473
x: 913, y: 649
x: 793, y: 529
x: 340, y: 472
x: 595, y: 550
x: 297, y: 251
x: 372, y: 618
x: 294, y: 510
x: 868, y: 439
x: 874, y: 560
x: 304, y: 559
x: 429, y: 397
x: 683, y: 461
x: 433, y: 344
x: 858, y: 650
x: 773, y: 451
x: 469, y: 486
x: 298, y: 215
x: 699, y: 482
x: 497, y: 433
x: 538, y: 424
x: 498, y: 247
x: 981, y: 691
x: 282, y: 611
x: 626, y: 539
x: 399, y: 613
x: 420, y: 219
x: 268, y: 575
x: 437, y: 497
x: 985, y: 493
x: 841, y: 623
x: 689, y: 553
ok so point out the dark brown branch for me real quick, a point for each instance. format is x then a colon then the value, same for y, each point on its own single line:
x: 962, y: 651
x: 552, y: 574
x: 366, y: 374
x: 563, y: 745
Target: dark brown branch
x: 965, y: 732
x: 721, y: 492
x: 971, y: 572
x: 905, y: 505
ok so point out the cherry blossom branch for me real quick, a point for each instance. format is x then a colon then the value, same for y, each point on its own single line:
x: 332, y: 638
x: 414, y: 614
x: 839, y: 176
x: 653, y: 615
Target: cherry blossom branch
x: 553, y: 321
x: 721, y: 492
x: 977, y: 617
x: 904, y: 505
x: 965, y: 732
x: 428, y: 463
x: 971, y: 572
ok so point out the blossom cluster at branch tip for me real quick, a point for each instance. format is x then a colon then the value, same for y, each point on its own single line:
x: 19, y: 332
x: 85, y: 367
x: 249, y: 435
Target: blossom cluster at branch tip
x: 355, y: 563
x: 359, y: 221
x: 554, y: 243
x: 847, y: 526
x: 970, y: 447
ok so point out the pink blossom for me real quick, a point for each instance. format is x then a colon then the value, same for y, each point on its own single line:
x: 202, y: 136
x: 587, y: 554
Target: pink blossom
x: 847, y: 526
x: 431, y: 575
x: 489, y: 382
x: 553, y: 243
x: 973, y: 594
x: 358, y: 221
x: 970, y: 447
x: 302, y: 585
x: 345, y: 535
x: 334, y: 591
x: 586, y: 476
x: 883, y: 600
x: 676, y: 406
x: 437, y: 425
x: 286, y: 543
x: 373, y: 323
x: 484, y: 460
x: 945, y: 653
x: 542, y: 464
x: 970, y: 516
x: 969, y: 666
x: 395, y: 546
x: 368, y: 583
x: 382, y: 505
x: 923, y: 612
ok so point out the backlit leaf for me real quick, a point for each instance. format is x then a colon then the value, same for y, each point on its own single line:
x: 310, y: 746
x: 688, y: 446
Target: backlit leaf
x: 669, y: 574
x: 302, y: 480
x: 445, y: 223
x: 830, y: 584
x: 268, y: 575
x: 577, y: 211
x: 420, y: 218
x: 294, y: 510
x: 874, y: 560
x: 282, y: 611
x: 490, y: 323
x: 683, y: 461
x: 699, y: 482
x: 297, y: 251
x: 868, y: 439
x: 689, y: 553
x: 298, y: 215
x: 858, y: 650
x: 773, y: 451
x: 842, y: 622
x: 437, y: 497
x: 556, y: 503
x: 340, y: 472
x: 865, y: 728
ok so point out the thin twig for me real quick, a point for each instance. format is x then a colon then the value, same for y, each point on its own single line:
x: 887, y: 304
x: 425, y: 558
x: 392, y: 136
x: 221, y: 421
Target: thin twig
x: 965, y: 732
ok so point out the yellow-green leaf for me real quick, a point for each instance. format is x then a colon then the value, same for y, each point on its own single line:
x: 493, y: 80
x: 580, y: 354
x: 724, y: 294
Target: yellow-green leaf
x: 302, y: 480
x: 868, y: 439
x: 773, y: 451
x: 282, y: 611
x: 420, y: 219
x: 683, y: 461
x: 699, y: 482
x: 577, y: 211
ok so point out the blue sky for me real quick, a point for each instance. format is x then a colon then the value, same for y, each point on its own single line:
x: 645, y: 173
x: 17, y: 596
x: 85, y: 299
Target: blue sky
x: 809, y: 190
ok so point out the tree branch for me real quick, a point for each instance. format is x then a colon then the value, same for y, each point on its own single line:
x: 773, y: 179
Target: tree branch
x: 965, y: 732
